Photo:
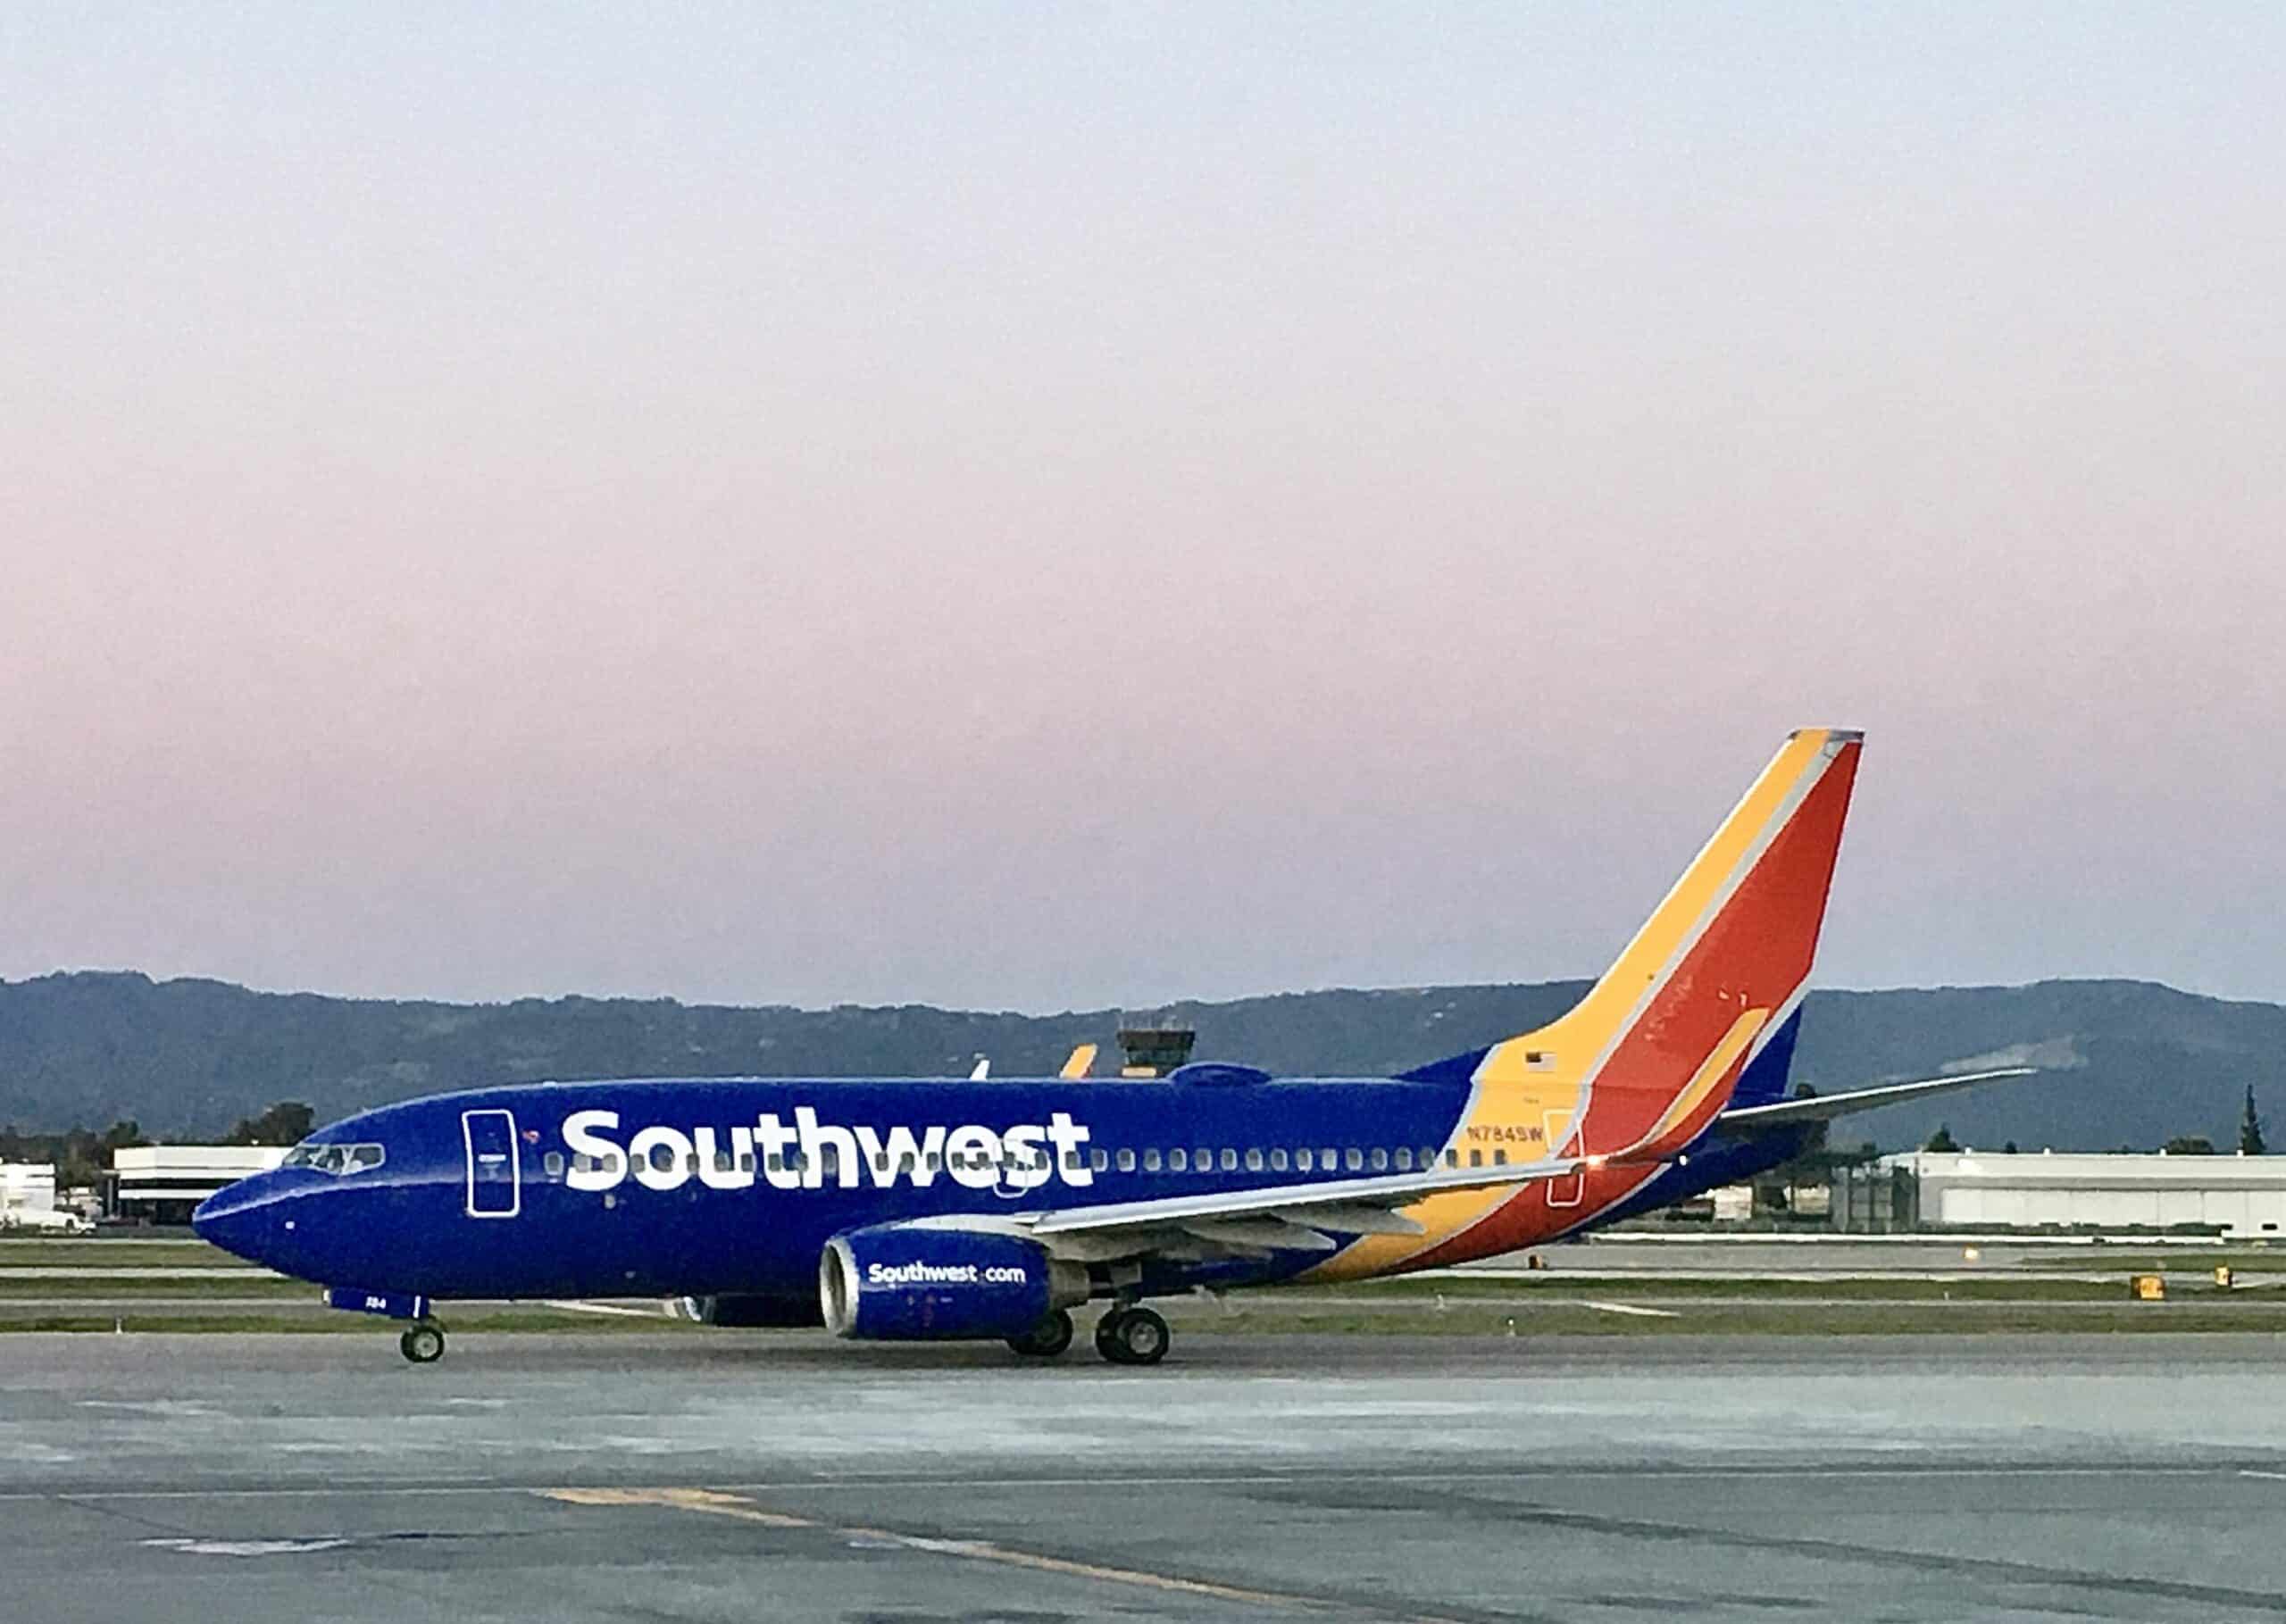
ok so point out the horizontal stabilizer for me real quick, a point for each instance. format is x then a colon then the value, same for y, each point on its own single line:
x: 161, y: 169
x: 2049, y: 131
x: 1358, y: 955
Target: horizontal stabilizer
x: 1824, y: 1107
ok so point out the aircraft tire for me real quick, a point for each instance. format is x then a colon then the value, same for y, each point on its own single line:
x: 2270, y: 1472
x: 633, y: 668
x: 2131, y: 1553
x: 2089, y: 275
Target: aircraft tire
x: 422, y: 1344
x: 1132, y: 1336
x: 1047, y: 1339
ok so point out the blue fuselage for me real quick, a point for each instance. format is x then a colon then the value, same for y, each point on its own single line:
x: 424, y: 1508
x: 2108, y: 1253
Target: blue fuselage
x: 708, y: 1188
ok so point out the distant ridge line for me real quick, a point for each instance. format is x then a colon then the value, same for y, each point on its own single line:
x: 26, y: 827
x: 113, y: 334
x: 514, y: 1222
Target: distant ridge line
x: 189, y: 1055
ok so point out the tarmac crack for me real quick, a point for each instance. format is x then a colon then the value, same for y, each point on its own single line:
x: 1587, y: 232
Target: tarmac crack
x: 2031, y: 1575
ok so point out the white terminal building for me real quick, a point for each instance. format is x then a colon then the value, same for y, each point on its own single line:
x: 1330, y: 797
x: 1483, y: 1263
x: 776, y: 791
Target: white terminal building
x: 2244, y: 1196
x: 160, y: 1184
x: 26, y: 1188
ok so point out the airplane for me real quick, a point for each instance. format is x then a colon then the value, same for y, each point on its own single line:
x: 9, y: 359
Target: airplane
x: 939, y: 1208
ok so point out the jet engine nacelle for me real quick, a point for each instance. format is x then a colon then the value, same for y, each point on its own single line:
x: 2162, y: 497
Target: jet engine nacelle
x: 908, y: 1282
x: 747, y: 1312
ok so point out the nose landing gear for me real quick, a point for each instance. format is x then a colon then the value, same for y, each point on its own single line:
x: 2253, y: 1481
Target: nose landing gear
x: 1132, y: 1334
x: 422, y: 1344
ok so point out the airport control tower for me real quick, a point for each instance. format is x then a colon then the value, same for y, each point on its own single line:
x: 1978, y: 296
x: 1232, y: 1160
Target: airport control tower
x: 1154, y: 1050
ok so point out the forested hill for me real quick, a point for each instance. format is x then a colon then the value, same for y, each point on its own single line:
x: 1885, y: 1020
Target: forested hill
x: 2134, y: 1063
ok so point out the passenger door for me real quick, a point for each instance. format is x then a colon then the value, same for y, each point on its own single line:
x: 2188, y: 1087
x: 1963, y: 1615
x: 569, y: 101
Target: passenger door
x: 496, y: 1184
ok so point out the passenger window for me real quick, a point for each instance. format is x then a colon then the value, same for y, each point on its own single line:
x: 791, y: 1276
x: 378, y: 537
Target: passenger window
x: 721, y: 1162
x: 1179, y: 1160
x: 1476, y: 1158
x: 1203, y: 1159
x: 663, y: 1160
x: 1329, y: 1159
x: 693, y: 1161
x: 935, y: 1161
x: 1303, y: 1161
x: 1099, y: 1161
x: 1428, y: 1158
x: 1253, y: 1161
x: 553, y: 1163
x: 1499, y: 1158
x: 745, y: 1162
x: 904, y: 1162
x: 1278, y: 1160
x: 1405, y: 1158
x: 777, y: 1164
x: 828, y: 1161
x: 1354, y: 1161
x: 1452, y: 1158
x: 1230, y: 1159
x: 1150, y: 1161
x: 1126, y: 1161
x: 1380, y: 1159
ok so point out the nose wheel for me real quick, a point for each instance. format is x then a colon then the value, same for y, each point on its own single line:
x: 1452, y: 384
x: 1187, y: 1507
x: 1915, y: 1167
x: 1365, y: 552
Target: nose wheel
x: 422, y: 1344
x: 1132, y: 1334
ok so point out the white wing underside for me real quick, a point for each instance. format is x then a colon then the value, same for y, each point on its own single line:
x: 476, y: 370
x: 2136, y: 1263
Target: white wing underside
x: 1246, y: 1223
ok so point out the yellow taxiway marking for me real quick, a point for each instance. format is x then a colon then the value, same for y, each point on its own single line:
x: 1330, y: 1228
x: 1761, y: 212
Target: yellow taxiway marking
x: 713, y: 1503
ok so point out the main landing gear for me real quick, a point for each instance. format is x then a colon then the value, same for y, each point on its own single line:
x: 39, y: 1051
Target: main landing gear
x: 422, y: 1344
x: 1131, y: 1334
x: 1127, y: 1334
x: 1047, y: 1339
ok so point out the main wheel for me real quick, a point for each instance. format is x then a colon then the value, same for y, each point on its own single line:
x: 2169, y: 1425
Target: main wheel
x: 422, y: 1344
x: 1132, y: 1336
x: 1047, y: 1339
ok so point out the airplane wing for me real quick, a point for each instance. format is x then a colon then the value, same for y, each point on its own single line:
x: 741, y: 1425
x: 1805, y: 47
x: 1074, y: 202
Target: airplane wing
x: 1823, y: 1107
x: 1301, y: 1217
x: 1304, y: 1217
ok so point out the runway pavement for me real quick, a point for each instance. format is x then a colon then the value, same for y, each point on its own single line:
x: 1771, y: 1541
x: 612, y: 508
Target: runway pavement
x: 740, y: 1476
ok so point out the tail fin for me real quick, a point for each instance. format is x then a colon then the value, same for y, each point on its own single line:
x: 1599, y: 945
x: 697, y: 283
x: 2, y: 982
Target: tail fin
x: 1641, y: 1066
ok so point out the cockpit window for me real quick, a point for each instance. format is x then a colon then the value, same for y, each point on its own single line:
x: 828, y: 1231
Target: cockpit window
x: 336, y: 1159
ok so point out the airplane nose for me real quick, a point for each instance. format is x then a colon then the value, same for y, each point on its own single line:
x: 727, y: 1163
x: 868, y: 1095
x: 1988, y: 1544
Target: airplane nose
x: 239, y: 1220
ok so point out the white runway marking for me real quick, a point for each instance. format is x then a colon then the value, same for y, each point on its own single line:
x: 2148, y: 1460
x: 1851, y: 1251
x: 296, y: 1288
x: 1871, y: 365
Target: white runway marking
x: 1638, y: 1310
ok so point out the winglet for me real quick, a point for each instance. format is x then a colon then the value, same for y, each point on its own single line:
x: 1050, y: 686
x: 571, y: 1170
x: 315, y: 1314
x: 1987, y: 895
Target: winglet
x: 1083, y: 1059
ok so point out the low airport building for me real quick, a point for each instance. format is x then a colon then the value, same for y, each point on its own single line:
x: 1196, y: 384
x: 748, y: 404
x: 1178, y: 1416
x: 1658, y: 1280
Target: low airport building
x: 2237, y: 1196
x: 160, y: 1184
x: 26, y: 1187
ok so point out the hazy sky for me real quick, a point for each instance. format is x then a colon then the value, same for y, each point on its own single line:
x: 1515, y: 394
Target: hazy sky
x: 1049, y: 506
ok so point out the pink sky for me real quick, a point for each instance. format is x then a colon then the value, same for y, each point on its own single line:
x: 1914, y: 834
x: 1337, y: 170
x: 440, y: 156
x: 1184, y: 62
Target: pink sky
x: 609, y: 501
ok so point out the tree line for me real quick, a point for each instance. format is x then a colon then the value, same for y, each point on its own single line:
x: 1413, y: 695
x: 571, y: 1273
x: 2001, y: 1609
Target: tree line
x: 82, y: 1155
